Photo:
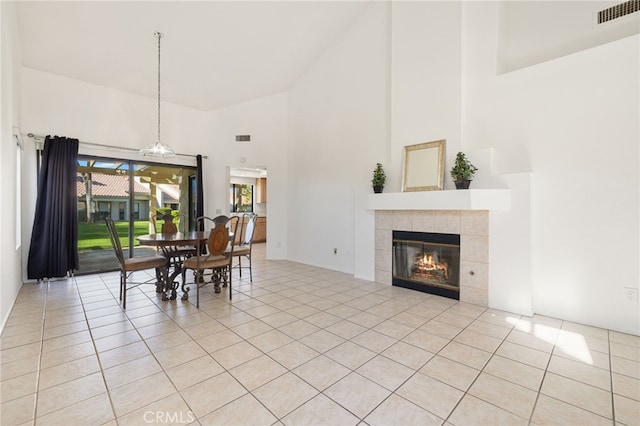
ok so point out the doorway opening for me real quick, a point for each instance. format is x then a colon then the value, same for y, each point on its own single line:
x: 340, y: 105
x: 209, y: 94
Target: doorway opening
x: 248, y: 194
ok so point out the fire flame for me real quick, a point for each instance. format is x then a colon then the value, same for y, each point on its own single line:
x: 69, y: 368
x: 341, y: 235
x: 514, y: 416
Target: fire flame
x: 429, y: 263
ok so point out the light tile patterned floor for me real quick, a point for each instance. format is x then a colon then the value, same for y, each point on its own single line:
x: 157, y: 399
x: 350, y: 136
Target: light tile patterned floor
x: 303, y: 345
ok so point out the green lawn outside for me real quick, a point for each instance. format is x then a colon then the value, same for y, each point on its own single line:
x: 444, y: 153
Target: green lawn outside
x: 95, y: 236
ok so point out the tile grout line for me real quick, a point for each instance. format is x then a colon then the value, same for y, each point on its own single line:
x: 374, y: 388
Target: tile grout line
x: 44, y: 319
x: 95, y: 349
x: 544, y: 374
x: 466, y: 392
x: 613, y: 400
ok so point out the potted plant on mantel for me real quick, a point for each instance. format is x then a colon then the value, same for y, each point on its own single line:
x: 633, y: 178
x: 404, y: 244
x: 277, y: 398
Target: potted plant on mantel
x: 463, y: 171
x: 378, y: 179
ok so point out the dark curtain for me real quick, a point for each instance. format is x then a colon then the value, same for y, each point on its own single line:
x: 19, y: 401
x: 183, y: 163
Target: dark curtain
x: 199, y: 192
x: 54, y: 239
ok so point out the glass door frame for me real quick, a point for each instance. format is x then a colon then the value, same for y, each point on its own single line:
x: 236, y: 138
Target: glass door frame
x: 132, y: 166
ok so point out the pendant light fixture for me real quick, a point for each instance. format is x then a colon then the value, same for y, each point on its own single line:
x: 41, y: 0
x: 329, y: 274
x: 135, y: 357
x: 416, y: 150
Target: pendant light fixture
x: 158, y: 149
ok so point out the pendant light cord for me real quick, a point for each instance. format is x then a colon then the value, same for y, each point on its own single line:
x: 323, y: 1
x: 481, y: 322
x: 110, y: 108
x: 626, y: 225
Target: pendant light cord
x: 157, y: 148
x: 159, y: 35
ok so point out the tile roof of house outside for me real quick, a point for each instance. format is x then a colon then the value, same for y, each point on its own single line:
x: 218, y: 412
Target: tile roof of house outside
x: 171, y: 192
x: 110, y: 186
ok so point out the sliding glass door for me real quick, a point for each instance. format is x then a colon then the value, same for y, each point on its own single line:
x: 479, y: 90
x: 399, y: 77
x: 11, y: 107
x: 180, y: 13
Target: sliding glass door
x: 132, y: 193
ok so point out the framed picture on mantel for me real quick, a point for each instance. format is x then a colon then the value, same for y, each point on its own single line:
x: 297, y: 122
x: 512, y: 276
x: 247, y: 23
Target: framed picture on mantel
x: 424, y: 167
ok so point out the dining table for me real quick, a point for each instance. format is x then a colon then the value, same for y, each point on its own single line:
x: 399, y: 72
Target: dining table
x: 174, y: 247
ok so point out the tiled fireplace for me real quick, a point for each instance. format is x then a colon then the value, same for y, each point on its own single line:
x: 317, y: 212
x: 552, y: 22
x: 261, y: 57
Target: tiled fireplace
x: 494, y: 226
x: 471, y: 225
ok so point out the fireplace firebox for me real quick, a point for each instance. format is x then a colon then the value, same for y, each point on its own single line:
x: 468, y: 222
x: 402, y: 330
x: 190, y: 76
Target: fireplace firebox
x: 427, y: 262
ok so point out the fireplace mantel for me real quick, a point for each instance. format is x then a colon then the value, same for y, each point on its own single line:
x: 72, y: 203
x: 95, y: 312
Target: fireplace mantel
x: 468, y: 199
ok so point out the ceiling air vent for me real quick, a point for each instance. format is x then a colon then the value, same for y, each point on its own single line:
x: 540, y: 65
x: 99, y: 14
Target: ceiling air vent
x: 247, y: 138
x: 618, y: 11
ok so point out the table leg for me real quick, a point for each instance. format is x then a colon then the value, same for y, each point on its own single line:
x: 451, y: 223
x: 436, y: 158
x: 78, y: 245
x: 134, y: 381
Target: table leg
x: 185, y: 289
x: 168, y: 278
x: 177, y: 270
x: 160, y: 281
x: 166, y: 282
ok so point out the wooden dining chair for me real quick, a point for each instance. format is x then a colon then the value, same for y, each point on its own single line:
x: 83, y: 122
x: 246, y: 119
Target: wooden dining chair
x: 167, y: 226
x: 213, y: 267
x: 177, y: 254
x: 130, y: 265
x: 247, y: 228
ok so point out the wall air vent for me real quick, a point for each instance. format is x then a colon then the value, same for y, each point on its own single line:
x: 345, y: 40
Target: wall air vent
x: 618, y: 11
x: 247, y: 138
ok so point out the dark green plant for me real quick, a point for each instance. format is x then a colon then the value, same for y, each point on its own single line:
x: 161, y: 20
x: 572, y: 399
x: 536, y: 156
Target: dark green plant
x: 162, y: 211
x: 378, y: 176
x: 462, y: 168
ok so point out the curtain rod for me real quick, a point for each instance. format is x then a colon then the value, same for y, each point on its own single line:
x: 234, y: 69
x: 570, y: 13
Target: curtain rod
x: 123, y: 148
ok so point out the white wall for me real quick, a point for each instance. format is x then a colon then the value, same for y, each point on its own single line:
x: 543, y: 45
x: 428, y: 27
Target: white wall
x: 338, y: 131
x: 10, y: 258
x: 536, y: 32
x: 425, y: 80
x: 10, y: 253
x: 574, y: 122
x: 265, y: 119
x: 56, y: 105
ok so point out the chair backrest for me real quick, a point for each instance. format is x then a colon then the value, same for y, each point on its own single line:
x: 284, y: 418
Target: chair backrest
x: 115, y: 240
x: 250, y: 227
x: 168, y: 227
x: 221, y: 219
x: 219, y: 235
x: 233, y: 228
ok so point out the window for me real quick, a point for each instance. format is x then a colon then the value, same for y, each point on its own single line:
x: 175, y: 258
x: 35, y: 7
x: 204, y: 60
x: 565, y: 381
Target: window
x: 18, y: 200
x: 122, y: 206
x: 104, y: 209
x: 136, y: 211
x: 241, y: 198
x: 82, y: 211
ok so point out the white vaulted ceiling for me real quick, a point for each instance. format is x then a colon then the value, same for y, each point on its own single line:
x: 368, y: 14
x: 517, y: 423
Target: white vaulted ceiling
x: 214, y: 53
